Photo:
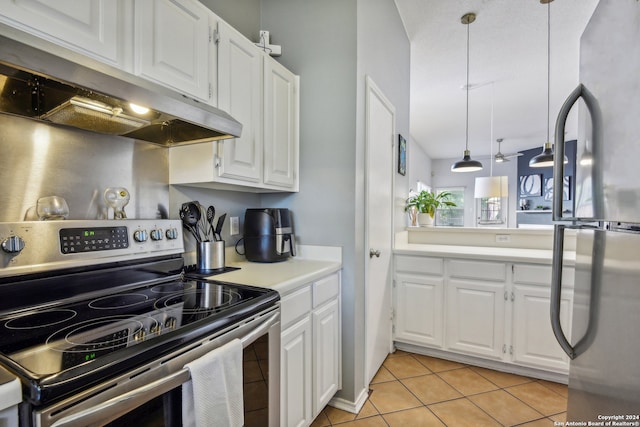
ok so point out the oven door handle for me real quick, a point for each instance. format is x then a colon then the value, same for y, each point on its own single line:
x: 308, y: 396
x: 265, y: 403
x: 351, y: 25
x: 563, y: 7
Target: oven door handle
x: 114, y: 408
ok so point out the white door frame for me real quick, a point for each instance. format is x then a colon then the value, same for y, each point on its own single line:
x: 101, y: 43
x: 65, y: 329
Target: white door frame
x: 373, y: 90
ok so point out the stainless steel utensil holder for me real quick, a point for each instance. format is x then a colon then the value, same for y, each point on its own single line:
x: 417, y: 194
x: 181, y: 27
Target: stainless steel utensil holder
x: 210, y: 255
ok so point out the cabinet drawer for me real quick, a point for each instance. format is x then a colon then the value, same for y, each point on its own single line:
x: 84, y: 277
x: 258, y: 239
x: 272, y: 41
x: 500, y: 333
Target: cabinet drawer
x: 325, y: 289
x: 481, y: 270
x: 295, y: 306
x: 419, y: 264
x: 530, y: 274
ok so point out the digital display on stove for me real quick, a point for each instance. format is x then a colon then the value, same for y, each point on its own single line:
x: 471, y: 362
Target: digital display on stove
x: 94, y: 348
x: 77, y: 240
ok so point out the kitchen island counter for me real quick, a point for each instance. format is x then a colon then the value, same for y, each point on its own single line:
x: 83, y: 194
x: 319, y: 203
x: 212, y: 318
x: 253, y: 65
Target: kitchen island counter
x: 536, y: 256
x: 507, y: 245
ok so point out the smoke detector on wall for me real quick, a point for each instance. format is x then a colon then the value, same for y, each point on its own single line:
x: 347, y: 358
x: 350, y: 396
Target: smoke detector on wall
x: 265, y: 44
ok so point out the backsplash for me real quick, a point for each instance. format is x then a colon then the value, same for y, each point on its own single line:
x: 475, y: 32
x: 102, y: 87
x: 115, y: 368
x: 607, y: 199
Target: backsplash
x: 38, y: 159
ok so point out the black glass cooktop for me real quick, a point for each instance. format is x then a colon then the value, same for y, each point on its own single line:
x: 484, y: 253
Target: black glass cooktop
x: 104, y: 332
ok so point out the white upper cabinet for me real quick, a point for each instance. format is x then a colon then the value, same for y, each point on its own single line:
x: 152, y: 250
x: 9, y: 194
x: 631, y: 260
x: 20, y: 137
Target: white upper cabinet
x: 262, y: 95
x: 100, y: 29
x: 173, y: 45
x: 280, y: 125
x: 182, y: 45
x: 240, y: 69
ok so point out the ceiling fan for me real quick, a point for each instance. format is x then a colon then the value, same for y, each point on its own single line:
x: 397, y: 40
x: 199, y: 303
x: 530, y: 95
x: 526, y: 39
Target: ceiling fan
x: 499, y: 157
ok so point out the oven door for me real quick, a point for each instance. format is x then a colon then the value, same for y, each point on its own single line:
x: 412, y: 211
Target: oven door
x: 151, y: 395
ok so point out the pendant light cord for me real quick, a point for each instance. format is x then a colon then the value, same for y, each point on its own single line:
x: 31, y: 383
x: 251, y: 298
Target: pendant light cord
x: 548, y: 68
x: 466, y: 144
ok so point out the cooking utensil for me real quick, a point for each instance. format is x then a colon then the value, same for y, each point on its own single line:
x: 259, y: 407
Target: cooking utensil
x: 190, y: 214
x: 219, y: 226
x: 211, y: 213
x: 195, y: 216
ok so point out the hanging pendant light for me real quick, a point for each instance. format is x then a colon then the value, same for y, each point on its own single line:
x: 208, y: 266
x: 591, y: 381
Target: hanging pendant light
x: 545, y: 159
x: 467, y: 164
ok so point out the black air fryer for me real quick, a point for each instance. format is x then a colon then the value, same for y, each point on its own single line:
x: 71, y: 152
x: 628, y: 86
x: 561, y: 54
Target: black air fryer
x: 268, y: 235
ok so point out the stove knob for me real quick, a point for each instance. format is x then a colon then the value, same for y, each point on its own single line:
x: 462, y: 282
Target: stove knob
x: 156, y: 329
x: 140, y: 236
x: 172, y: 234
x: 156, y: 234
x: 170, y: 323
x: 13, y: 244
x: 140, y: 335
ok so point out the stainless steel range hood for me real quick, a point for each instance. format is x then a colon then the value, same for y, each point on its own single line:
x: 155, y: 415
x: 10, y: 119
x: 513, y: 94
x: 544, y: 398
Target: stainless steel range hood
x: 97, y: 97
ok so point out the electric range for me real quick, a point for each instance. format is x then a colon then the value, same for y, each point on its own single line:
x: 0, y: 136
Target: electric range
x: 85, y: 301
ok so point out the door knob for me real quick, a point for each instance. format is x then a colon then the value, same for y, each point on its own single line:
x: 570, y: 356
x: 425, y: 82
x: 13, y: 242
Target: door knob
x: 373, y: 253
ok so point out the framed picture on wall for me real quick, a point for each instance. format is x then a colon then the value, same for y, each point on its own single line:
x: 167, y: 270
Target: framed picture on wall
x: 531, y: 185
x: 566, y: 188
x: 402, y: 155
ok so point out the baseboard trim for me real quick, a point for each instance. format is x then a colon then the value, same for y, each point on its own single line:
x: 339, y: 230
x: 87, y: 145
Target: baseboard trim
x: 484, y: 363
x: 349, y: 406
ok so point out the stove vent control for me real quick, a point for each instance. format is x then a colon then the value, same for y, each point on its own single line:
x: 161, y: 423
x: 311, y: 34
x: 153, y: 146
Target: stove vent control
x: 12, y: 244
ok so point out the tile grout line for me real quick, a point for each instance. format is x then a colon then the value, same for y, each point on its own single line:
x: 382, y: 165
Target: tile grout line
x: 466, y: 396
x: 463, y: 395
x: 422, y: 404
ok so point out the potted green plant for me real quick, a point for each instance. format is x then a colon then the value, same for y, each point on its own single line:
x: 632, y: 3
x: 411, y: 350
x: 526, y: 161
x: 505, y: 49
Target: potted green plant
x: 426, y: 203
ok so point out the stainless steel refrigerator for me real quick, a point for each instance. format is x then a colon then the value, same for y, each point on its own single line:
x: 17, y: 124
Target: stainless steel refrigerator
x: 604, y: 346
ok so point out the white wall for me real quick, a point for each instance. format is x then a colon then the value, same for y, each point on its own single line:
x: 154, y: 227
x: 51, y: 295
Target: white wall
x: 333, y: 45
x: 443, y: 177
x: 418, y: 164
x: 243, y: 15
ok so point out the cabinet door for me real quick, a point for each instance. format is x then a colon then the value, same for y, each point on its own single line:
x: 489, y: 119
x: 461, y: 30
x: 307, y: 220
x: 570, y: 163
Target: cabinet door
x: 97, y: 28
x: 326, y: 347
x: 296, y: 377
x: 418, y: 310
x: 534, y: 343
x: 173, y: 44
x: 240, y: 91
x: 280, y: 125
x: 475, y: 317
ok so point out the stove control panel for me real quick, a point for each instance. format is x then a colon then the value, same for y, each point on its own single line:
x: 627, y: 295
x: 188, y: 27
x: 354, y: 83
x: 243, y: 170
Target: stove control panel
x: 93, y: 239
x: 33, y: 246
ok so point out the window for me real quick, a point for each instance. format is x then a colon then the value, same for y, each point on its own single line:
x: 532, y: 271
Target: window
x: 451, y: 216
x: 491, y: 212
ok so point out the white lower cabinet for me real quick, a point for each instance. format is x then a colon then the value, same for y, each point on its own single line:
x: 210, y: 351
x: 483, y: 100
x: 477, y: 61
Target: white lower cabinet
x: 484, y: 309
x: 295, y: 381
x: 475, y: 307
x: 310, y: 350
x: 419, y: 313
x: 326, y: 344
x: 475, y: 318
x: 533, y: 341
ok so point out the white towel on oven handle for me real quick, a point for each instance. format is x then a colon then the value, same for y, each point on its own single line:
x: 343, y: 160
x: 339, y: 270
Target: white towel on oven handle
x: 214, y: 396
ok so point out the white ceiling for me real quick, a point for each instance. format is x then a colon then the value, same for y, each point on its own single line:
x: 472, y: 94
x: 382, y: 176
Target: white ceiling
x: 507, y: 69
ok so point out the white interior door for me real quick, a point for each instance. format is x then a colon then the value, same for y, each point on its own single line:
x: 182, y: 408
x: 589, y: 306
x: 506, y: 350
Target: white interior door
x: 380, y: 137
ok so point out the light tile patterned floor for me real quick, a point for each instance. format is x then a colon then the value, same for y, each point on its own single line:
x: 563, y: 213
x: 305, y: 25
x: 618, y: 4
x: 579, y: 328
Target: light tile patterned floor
x: 411, y: 390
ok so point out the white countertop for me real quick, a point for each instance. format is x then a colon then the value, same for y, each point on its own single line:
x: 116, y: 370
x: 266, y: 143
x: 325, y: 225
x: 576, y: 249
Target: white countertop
x: 538, y: 256
x: 10, y: 390
x: 286, y: 276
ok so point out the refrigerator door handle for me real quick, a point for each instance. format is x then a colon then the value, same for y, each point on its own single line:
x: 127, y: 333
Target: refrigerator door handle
x: 558, y: 160
x: 556, y: 289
